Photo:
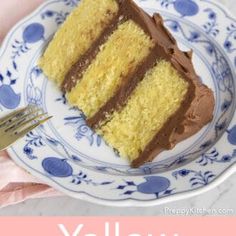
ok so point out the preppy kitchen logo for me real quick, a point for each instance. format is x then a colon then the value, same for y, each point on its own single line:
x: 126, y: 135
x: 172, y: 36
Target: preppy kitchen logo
x: 109, y: 230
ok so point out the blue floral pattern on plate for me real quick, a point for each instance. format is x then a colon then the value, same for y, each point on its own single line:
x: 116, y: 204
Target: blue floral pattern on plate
x: 68, y: 155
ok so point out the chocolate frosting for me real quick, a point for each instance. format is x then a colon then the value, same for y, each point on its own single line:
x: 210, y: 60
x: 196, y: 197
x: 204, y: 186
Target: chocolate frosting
x: 197, y: 108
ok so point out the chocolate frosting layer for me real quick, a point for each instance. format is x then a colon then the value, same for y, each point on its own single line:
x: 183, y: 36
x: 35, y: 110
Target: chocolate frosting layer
x: 197, y: 108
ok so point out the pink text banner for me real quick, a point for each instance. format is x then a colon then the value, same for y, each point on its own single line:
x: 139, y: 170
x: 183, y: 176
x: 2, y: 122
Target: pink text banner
x: 117, y: 226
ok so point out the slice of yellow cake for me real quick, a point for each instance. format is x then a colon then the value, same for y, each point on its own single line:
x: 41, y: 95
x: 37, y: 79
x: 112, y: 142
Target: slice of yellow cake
x: 124, y: 70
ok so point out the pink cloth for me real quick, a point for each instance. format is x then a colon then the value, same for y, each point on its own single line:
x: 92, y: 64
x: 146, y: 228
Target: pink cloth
x: 16, y: 185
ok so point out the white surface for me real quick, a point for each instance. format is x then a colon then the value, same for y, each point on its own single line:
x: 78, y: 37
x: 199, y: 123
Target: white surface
x: 217, y: 201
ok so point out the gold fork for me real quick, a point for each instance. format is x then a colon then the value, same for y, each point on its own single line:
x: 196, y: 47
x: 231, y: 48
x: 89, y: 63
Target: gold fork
x: 17, y: 124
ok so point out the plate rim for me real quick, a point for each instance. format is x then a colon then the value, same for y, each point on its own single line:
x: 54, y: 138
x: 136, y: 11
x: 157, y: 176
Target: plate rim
x: 126, y: 202
x: 133, y: 202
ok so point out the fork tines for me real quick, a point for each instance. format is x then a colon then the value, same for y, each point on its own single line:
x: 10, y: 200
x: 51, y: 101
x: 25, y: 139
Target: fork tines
x: 22, y: 119
x: 19, y: 123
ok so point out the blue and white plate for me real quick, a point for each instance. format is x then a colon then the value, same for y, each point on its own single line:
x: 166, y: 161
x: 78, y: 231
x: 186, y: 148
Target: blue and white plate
x: 67, y: 155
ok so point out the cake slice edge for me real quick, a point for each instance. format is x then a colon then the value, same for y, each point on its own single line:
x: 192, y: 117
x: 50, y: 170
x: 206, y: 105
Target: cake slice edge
x: 197, y: 115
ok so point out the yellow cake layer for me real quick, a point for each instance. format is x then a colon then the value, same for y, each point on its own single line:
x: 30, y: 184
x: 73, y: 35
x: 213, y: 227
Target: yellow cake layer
x: 82, y: 27
x: 124, y: 50
x: 155, y: 99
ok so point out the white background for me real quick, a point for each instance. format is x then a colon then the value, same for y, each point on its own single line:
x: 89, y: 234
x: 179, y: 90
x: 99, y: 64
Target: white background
x: 221, y: 199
